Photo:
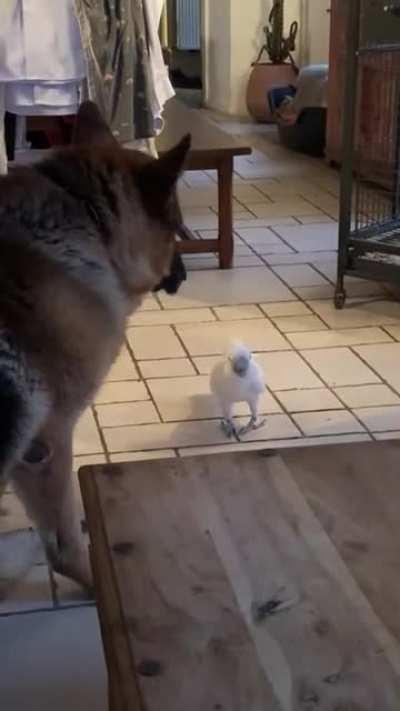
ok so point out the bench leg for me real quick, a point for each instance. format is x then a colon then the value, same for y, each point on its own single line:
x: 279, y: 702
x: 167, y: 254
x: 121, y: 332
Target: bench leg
x: 225, y: 212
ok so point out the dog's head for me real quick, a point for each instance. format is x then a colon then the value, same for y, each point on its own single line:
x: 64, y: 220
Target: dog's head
x: 138, y: 198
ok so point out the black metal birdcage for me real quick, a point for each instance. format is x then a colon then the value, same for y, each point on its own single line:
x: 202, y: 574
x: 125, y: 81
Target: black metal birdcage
x: 369, y: 229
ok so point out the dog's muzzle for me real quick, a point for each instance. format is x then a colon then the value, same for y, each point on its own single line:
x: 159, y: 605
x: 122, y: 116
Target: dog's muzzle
x: 177, y: 275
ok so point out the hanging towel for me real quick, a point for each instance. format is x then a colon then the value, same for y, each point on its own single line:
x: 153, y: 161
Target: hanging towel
x: 42, y: 63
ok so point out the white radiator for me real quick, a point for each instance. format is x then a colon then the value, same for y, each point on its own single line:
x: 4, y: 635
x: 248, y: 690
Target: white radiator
x: 188, y: 24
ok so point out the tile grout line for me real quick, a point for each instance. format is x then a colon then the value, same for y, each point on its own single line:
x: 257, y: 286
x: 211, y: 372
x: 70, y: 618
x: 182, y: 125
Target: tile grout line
x: 385, y: 329
x: 258, y: 443
x: 381, y: 378
x: 250, y: 442
x: 250, y: 246
x: 200, y: 420
x: 284, y: 412
x: 320, y: 377
x: 143, y: 380
x: 323, y: 210
x: 183, y: 346
x: 101, y: 434
x: 349, y: 409
x: 47, y: 608
x: 276, y: 233
x: 271, y: 228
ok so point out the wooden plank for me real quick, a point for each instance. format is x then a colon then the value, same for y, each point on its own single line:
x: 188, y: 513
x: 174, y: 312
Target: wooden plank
x: 355, y: 495
x: 207, y: 138
x: 124, y: 694
x: 115, y: 700
x: 317, y: 650
x: 190, y: 643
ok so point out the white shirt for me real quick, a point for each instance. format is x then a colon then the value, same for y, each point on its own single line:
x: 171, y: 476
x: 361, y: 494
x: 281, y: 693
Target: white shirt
x: 162, y: 87
x: 40, y: 41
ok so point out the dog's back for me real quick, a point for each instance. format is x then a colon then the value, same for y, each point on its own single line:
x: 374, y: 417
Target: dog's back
x: 61, y: 308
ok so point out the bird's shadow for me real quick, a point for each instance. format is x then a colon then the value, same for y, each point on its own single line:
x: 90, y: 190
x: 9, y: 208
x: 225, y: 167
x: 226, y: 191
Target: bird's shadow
x: 205, y: 413
x: 204, y: 407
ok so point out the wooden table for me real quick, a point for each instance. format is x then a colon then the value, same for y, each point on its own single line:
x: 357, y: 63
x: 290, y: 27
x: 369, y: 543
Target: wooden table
x: 211, y: 149
x: 251, y: 581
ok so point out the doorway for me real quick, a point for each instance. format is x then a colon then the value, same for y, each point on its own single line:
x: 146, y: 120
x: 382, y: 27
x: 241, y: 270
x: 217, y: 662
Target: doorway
x: 181, y: 33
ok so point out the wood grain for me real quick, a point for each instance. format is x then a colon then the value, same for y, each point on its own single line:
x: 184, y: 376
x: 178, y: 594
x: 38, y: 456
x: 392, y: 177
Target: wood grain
x: 327, y: 656
x: 208, y: 140
x: 253, y: 582
x: 124, y: 694
x: 356, y: 499
x: 181, y: 616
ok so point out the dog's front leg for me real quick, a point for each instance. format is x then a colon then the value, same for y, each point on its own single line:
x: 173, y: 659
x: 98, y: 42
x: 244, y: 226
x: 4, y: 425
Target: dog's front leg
x: 43, y: 482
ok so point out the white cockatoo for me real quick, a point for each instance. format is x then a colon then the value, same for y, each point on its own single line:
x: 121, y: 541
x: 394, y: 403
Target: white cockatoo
x: 238, y: 378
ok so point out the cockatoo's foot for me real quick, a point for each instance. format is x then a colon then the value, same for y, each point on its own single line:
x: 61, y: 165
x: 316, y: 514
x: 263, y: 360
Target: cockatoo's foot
x: 253, y: 424
x: 229, y: 429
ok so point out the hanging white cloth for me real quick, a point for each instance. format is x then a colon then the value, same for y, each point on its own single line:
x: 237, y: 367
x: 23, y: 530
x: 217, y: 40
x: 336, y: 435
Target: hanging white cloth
x: 42, y: 98
x: 162, y: 87
x: 43, y: 64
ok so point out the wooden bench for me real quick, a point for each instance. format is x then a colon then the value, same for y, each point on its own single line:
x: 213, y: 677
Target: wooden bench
x: 250, y: 581
x: 212, y: 149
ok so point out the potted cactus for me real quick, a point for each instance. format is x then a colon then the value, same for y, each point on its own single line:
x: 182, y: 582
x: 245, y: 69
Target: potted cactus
x: 280, y: 70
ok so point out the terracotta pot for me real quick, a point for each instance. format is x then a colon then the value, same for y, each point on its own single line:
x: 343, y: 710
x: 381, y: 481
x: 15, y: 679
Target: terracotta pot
x: 263, y: 77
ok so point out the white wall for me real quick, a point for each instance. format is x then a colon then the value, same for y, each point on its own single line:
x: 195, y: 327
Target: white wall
x: 315, y: 25
x: 247, y: 20
x: 232, y: 37
x: 216, y: 41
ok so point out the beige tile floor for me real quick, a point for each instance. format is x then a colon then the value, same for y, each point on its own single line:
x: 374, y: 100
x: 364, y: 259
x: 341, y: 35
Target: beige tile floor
x: 332, y: 376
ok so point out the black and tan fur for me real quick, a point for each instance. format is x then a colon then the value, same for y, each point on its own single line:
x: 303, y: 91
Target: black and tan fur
x: 83, y: 237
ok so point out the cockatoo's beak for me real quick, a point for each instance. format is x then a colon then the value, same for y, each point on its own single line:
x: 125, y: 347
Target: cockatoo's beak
x: 240, y: 365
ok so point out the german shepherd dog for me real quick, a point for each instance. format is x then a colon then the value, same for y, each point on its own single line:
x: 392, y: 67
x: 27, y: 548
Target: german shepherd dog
x: 84, y: 235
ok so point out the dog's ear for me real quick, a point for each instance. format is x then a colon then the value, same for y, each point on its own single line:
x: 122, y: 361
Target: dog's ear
x: 167, y: 169
x: 157, y: 179
x: 90, y: 128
